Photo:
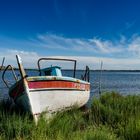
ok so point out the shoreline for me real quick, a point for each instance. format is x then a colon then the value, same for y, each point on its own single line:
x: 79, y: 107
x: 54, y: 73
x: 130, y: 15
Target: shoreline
x: 96, y: 70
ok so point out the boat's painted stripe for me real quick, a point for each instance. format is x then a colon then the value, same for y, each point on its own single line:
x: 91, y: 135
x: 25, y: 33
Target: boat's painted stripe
x: 58, y: 85
x: 52, y: 89
x: 18, y: 89
x: 59, y: 78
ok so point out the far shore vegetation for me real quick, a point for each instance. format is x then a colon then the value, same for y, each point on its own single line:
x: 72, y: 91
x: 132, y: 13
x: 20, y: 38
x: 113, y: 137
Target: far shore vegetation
x: 110, y: 117
x: 95, y: 70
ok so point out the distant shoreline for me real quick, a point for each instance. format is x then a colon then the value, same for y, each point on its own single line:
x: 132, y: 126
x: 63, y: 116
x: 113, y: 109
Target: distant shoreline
x: 33, y: 69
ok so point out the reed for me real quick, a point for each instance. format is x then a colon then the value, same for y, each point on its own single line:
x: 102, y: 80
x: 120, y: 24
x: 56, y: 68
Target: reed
x: 120, y: 113
x: 111, y: 117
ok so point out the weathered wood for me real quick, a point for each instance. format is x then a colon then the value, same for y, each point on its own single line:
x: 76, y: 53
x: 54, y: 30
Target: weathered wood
x: 21, y: 69
x: 2, y: 63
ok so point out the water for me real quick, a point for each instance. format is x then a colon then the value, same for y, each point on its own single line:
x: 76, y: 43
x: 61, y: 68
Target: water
x: 123, y: 82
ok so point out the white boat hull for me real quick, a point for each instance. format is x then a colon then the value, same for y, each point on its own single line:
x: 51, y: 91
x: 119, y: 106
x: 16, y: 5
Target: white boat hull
x: 52, y: 101
x: 49, y: 94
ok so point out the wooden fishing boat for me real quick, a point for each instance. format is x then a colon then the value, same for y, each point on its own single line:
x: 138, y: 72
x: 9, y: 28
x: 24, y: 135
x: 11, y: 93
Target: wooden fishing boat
x: 49, y: 91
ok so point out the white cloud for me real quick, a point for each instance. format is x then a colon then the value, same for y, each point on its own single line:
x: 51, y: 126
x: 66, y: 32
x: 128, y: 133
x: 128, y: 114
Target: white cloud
x: 95, y: 45
x: 28, y: 57
x: 29, y: 60
x: 134, y: 46
x: 120, y: 54
x: 59, y: 42
x: 108, y: 63
x: 106, y: 46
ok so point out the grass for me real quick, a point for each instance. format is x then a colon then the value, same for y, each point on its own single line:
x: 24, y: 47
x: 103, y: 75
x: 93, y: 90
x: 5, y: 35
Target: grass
x: 111, y: 117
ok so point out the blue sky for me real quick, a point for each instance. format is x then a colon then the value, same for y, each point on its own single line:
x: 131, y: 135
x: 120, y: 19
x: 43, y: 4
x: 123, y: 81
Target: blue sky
x: 86, y: 30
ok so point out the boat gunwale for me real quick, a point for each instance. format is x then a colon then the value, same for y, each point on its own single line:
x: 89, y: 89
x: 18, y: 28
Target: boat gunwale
x: 55, y: 78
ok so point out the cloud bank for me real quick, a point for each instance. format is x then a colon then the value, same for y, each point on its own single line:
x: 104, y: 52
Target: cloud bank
x: 116, y: 54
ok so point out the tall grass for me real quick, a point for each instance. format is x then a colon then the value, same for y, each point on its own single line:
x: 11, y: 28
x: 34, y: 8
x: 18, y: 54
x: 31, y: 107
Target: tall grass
x: 120, y: 113
x: 111, y: 117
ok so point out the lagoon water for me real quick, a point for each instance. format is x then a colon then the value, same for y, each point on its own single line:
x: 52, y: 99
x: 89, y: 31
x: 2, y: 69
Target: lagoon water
x: 123, y: 82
